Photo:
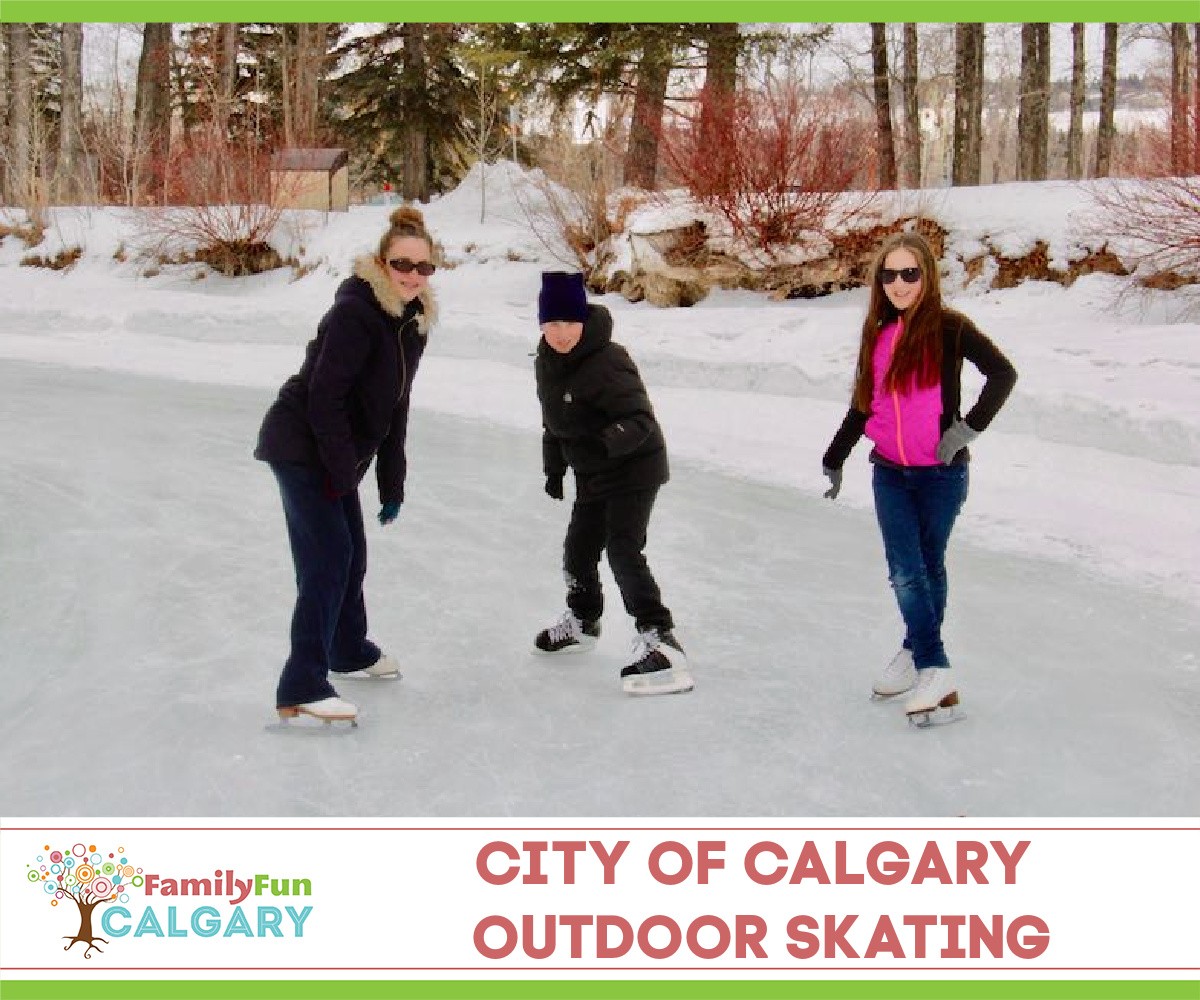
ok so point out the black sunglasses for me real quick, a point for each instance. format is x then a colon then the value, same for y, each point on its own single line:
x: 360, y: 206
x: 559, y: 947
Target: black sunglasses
x: 406, y: 266
x: 911, y: 275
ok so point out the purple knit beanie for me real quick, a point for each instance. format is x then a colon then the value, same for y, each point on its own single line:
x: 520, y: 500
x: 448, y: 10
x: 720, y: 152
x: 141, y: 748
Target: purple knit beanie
x: 562, y: 297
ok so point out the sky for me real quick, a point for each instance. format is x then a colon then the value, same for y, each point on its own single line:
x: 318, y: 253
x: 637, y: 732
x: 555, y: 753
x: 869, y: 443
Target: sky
x: 147, y: 587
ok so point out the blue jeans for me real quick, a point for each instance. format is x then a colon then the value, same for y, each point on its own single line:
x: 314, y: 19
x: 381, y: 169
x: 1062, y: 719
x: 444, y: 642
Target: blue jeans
x: 329, y: 551
x: 916, y: 508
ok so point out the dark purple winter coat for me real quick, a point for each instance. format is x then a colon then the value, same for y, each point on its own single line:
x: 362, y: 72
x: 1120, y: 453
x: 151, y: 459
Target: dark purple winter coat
x: 349, y: 401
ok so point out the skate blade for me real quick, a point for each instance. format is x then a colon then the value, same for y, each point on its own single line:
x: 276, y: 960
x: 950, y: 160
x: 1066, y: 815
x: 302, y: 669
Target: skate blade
x: 582, y: 646
x: 301, y: 718
x: 366, y: 675
x: 659, y: 682
x: 946, y: 712
x: 881, y: 696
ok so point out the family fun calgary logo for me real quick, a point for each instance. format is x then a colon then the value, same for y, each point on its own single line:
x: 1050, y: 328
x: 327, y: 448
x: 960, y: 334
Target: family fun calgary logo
x: 147, y: 903
x: 81, y: 875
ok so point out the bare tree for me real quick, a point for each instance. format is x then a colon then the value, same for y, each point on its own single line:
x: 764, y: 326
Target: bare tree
x: 303, y: 69
x: 640, y: 168
x: 19, y: 174
x: 414, y: 183
x: 152, y: 108
x: 1105, y: 131
x: 720, y: 77
x: 228, y: 38
x: 912, y: 110
x: 1180, y: 80
x: 885, y: 146
x: 1196, y: 108
x: 1078, y: 88
x: 69, y: 171
x: 968, y: 103
x: 1033, y: 131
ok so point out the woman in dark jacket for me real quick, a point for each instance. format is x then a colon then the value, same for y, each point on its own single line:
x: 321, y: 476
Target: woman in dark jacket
x: 347, y: 405
x: 907, y: 398
x: 598, y: 421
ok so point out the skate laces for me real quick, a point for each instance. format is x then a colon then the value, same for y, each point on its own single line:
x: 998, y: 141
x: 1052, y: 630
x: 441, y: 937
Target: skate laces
x: 644, y: 643
x: 567, y: 627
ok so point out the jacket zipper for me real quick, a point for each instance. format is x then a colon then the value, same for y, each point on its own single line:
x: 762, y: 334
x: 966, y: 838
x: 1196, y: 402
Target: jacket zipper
x: 896, y: 401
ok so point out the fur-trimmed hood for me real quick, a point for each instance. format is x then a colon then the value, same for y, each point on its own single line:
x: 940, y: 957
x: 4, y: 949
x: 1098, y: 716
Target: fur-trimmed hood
x: 371, y: 271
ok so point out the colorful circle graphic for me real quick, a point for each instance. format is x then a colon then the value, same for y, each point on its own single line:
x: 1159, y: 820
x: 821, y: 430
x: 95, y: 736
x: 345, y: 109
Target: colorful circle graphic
x: 85, y: 873
x: 101, y: 887
x: 79, y: 850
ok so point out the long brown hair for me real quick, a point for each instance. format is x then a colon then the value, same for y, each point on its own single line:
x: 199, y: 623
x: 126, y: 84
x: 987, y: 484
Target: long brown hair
x: 406, y: 221
x: 917, y: 360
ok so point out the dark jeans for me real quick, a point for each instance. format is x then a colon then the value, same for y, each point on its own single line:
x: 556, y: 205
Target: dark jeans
x: 916, y: 508
x: 617, y: 524
x: 329, y: 551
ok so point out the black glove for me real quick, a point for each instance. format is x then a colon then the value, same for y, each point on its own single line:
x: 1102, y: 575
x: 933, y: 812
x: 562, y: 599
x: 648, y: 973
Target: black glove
x: 554, y: 487
x: 835, y: 482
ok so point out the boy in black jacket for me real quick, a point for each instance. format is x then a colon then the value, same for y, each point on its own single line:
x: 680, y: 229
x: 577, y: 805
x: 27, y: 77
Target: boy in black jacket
x: 598, y: 420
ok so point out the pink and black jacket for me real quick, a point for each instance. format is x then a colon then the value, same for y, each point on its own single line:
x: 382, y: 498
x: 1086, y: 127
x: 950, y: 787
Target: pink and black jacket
x: 906, y: 425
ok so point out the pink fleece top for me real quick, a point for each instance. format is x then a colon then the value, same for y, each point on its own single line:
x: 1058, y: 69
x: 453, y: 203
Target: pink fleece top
x: 905, y: 425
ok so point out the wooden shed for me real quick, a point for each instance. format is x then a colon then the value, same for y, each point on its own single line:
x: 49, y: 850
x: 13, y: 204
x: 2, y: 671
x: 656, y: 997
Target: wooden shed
x: 311, y: 178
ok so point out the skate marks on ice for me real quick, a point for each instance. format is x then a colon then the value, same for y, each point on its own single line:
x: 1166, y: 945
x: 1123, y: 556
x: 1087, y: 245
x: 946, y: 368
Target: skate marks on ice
x: 169, y: 580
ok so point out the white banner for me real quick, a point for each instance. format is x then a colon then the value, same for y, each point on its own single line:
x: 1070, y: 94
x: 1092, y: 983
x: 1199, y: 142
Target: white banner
x: 456, y: 900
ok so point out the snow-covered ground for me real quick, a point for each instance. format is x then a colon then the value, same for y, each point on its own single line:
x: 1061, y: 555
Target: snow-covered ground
x: 146, y: 584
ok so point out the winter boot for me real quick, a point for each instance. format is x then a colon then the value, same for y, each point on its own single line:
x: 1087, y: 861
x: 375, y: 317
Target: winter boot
x: 659, y: 665
x: 385, y: 668
x: 328, y: 710
x: 937, y: 687
x: 567, y: 635
x: 897, y: 677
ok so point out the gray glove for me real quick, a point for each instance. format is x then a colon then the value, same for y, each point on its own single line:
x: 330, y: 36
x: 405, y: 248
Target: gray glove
x: 958, y: 435
x: 835, y: 482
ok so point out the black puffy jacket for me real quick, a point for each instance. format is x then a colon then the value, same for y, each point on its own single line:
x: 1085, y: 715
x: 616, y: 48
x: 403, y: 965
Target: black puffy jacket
x: 349, y: 401
x: 597, y: 417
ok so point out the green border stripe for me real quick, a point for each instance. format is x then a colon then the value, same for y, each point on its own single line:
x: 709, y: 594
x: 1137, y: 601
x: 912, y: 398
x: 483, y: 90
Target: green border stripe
x: 802, y: 989
x: 609, y: 10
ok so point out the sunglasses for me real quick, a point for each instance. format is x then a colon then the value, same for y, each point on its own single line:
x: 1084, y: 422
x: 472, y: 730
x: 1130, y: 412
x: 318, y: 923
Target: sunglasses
x: 405, y: 266
x: 911, y: 275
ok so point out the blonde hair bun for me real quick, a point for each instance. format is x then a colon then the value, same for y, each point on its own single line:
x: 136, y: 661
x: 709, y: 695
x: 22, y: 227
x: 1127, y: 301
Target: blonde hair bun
x: 406, y: 215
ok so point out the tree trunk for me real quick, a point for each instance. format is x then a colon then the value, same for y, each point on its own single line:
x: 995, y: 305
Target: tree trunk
x: 1033, y: 130
x: 1078, y: 86
x: 309, y: 60
x: 69, y: 172
x: 641, y: 156
x: 720, y: 81
x: 912, y: 110
x: 1105, y: 132
x: 885, y: 145
x: 152, y: 107
x: 968, y: 104
x: 415, y: 182
x: 227, y: 73
x: 1180, y: 79
x: 1196, y: 98
x: 20, y: 116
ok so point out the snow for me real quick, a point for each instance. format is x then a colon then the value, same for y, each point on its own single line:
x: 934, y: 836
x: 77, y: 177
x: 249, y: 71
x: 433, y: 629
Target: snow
x: 147, y: 586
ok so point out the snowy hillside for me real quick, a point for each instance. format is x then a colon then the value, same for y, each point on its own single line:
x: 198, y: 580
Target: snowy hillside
x: 146, y: 581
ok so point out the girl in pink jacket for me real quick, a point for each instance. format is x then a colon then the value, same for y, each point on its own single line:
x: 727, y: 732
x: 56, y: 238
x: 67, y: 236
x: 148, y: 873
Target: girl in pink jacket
x: 906, y: 400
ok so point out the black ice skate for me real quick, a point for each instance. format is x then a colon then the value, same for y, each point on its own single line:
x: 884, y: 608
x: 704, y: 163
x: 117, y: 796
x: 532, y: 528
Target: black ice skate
x: 659, y: 665
x: 567, y: 635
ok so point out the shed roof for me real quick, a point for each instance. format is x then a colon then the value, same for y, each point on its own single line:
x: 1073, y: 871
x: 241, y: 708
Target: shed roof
x: 326, y: 160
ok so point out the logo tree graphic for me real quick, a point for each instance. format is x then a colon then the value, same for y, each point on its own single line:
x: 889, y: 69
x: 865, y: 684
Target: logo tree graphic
x: 89, y: 879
